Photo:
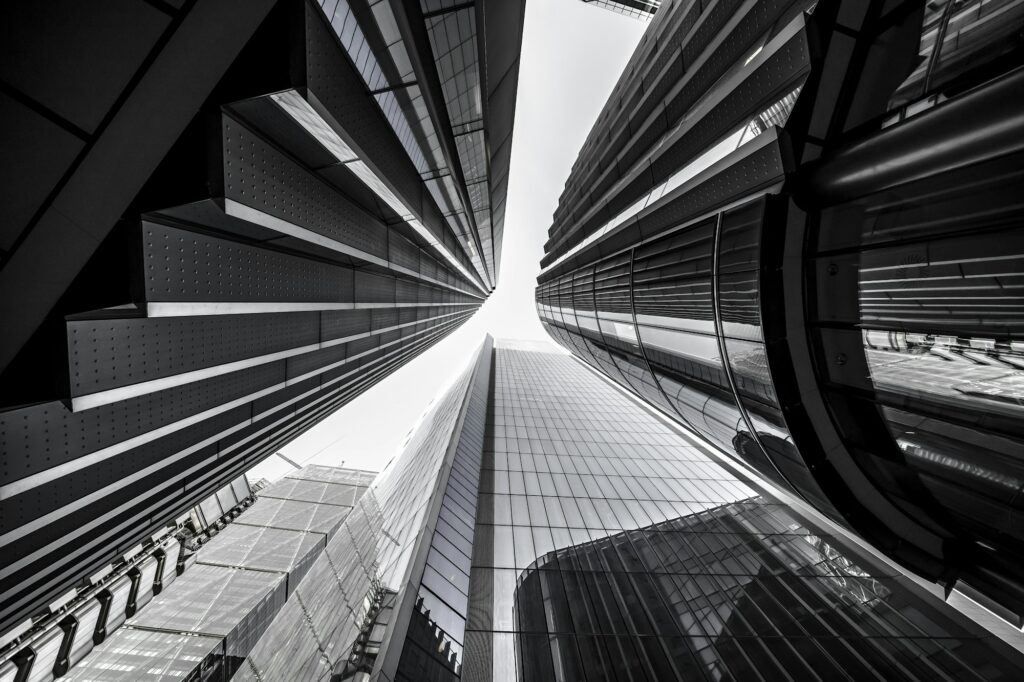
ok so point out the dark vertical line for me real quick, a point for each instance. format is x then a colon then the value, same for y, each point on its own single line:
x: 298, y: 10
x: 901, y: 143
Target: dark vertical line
x: 724, y: 353
x: 639, y: 341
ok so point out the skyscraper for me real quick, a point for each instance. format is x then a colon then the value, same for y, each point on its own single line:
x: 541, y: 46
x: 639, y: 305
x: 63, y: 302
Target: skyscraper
x: 542, y: 524
x: 794, y: 229
x: 222, y: 221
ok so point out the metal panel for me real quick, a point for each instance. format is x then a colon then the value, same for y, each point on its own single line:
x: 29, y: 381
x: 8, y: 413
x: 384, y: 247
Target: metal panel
x: 46, y: 648
x: 263, y: 178
x: 107, y: 353
x: 294, y: 515
x: 172, y: 550
x: 120, y: 592
x: 226, y: 498
x: 241, y: 488
x: 186, y: 266
x: 328, y: 474
x: 27, y: 434
x: 211, y: 510
x: 312, y: 491
x: 82, y: 643
x: 264, y: 549
x: 147, y: 577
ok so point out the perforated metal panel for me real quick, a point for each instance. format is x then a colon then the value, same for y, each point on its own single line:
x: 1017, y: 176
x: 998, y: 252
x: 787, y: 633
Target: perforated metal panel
x: 337, y: 324
x: 261, y: 177
x: 188, y: 266
x: 104, y: 354
x: 371, y: 288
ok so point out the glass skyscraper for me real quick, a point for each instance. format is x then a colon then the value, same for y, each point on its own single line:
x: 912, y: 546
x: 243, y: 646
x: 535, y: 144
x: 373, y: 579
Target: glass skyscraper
x: 543, y: 525
x: 795, y: 228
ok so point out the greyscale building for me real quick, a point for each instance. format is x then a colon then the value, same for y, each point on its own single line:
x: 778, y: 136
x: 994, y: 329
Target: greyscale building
x: 542, y: 524
x: 637, y: 9
x: 795, y: 228
x: 234, y: 585
x: 220, y: 222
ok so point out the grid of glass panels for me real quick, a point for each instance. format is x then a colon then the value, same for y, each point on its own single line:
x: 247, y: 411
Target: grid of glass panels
x: 609, y: 547
x: 434, y: 643
x: 741, y: 591
x: 637, y: 9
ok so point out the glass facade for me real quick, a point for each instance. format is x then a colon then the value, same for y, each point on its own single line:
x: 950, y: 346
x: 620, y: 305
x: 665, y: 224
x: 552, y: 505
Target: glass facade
x: 608, y: 546
x: 542, y: 525
x: 788, y: 241
x: 438, y: 117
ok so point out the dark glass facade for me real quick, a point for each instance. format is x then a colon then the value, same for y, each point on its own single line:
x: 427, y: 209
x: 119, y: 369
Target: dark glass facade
x: 794, y: 229
x: 224, y: 223
x: 543, y: 525
x: 742, y: 591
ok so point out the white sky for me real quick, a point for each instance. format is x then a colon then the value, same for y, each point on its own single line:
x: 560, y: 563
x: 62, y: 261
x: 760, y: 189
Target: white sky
x: 572, y: 56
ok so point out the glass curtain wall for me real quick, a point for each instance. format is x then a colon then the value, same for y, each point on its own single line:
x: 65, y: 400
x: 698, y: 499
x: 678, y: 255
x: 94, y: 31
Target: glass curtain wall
x: 607, y: 546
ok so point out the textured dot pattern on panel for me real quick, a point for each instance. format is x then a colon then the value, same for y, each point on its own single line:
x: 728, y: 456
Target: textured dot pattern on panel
x: 263, y: 178
x: 337, y: 324
x: 188, y: 266
x: 105, y: 354
x: 41, y: 436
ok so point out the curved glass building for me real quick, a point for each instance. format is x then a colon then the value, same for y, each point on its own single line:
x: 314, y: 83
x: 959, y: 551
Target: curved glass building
x: 795, y: 228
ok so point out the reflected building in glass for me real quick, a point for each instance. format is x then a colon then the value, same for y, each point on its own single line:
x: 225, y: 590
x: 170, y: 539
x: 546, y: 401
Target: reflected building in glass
x: 542, y: 524
x: 794, y: 229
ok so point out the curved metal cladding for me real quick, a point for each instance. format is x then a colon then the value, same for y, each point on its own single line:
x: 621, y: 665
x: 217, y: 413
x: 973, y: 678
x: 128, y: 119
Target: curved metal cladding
x: 286, y: 238
x: 800, y: 238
